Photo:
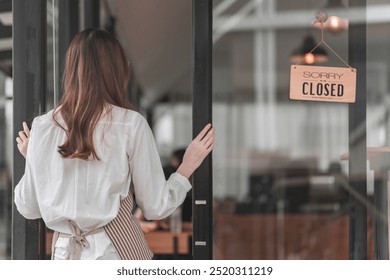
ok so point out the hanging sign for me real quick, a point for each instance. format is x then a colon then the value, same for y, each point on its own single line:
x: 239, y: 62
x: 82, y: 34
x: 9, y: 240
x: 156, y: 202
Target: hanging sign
x: 330, y: 84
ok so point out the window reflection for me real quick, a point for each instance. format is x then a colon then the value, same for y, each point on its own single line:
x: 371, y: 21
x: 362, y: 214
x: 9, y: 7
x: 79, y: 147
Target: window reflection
x: 6, y: 143
x: 280, y: 187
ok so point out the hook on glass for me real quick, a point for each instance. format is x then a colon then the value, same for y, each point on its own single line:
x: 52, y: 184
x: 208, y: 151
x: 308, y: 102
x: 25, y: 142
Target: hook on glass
x: 321, y: 16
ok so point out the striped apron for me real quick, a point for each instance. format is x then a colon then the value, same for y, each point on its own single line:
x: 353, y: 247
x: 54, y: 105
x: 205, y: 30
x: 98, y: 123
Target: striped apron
x: 124, y: 231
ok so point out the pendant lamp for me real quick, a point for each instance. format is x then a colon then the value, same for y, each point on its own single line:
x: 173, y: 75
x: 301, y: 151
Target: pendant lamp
x: 303, y: 54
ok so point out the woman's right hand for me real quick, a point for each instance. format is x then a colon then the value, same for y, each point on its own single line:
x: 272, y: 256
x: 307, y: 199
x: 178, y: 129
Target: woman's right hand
x: 197, y: 151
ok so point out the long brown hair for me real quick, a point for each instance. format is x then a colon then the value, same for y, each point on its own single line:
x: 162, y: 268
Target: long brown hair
x: 96, y: 75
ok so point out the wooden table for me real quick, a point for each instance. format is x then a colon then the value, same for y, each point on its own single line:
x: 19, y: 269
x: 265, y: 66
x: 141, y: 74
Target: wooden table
x: 301, y: 236
x: 167, y: 242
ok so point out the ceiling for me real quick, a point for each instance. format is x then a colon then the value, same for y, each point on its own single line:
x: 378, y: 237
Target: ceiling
x: 157, y: 37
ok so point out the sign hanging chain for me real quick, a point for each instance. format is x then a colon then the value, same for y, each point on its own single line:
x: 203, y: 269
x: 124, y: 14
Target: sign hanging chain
x: 321, y: 20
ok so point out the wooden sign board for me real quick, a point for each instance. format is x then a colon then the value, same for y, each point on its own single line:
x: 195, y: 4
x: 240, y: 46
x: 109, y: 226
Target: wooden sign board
x: 330, y: 84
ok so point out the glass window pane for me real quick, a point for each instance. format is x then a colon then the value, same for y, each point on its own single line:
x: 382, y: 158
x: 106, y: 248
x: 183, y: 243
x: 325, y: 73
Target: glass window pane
x: 280, y: 187
x: 378, y: 125
x: 6, y: 144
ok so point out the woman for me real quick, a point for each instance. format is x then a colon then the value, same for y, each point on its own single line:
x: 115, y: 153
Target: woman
x: 82, y: 156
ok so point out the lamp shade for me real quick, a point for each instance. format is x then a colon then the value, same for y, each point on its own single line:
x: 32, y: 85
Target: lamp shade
x: 303, y: 54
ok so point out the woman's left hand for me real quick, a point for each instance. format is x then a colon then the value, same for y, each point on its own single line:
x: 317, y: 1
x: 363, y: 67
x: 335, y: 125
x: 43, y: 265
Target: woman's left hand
x: 197, y: 151
x: 22, y: 139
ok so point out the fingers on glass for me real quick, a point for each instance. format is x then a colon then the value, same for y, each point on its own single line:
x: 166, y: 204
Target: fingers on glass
x: 26, y: 129
x: 203, y: 132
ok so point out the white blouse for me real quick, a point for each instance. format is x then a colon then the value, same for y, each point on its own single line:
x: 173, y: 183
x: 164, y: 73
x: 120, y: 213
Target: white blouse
x: 89, y: 191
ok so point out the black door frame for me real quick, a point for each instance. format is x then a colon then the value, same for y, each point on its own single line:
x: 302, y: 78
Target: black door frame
x: 357, y: 134
x: 29, y: 95
x: 202, y: 204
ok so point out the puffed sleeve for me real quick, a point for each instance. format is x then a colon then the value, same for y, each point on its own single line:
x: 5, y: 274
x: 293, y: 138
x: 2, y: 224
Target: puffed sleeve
x: 25, y: 194
x: 156, y: 197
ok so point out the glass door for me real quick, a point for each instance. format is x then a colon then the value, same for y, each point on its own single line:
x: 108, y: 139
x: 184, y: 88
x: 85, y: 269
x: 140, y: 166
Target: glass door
x: 289, y: 181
